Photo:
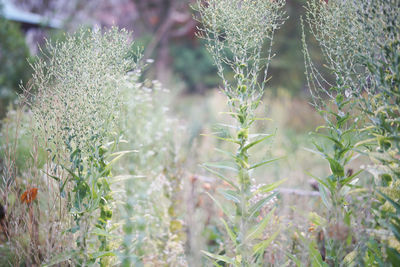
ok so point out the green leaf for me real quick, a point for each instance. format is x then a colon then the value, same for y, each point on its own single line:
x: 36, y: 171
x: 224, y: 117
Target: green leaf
x: 393, y: 256
x: 315, y: 257
x: 324, y: 196
x: 247, y: 147
x: 331, y: 139
x: 257, y: 230
x: 219, y: 257
x: 294, y: 259
x: 349, y: 259
x: 63, y: 185
x: 220, y: 166
x: 315, y: 152
x: 224, y: 210
x: 260, y: 247
x: 264, y: 162
x: 225, y: 152
x: 118, y: 155
x: 316, y: 219
x: 268, y: 188
x: 230, y: 195
x: 228, y: 126
x: 336, y: 168
x: 349, y: 179
x: 52, y: 176
x: 223, y: 138
x: 257, y: 206
x: 371, y: 141
x: 229, y: 231
x: 391, y: 201
x: 318, y: 180
x: 71, y: 173
x: 221, y: 176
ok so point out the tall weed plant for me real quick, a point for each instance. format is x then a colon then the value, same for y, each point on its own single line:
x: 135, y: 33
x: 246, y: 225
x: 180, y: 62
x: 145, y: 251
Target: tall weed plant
x: 236, y: 32
x: 76, y: 110
x: 359, y: 40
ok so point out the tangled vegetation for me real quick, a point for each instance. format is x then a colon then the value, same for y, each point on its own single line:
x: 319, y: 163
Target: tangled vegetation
x: 97, y: 170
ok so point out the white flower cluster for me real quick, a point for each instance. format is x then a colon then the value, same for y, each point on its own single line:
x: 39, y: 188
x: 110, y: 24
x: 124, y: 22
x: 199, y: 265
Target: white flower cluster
x: 349, y: 33
x: 78, y: 84
x: 236, y: 31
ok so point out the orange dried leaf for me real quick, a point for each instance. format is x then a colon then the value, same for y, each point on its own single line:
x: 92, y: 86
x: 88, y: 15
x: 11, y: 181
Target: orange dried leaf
x: 29, y: 195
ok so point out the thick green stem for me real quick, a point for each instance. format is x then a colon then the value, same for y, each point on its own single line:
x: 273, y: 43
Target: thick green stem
x: 243, y: 249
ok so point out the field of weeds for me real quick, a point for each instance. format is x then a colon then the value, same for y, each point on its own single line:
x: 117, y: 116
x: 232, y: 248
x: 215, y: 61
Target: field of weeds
x: 101, y: 166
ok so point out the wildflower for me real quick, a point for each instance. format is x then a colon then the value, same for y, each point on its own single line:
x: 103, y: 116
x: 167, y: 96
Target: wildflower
x: 29, y: 195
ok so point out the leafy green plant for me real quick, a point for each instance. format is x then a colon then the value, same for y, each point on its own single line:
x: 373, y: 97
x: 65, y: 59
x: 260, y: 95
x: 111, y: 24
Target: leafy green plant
x: 76, y: 109
x: 359, y: 41
x: 381, y: 106
x: 236, y: 32
x: 335, y: 101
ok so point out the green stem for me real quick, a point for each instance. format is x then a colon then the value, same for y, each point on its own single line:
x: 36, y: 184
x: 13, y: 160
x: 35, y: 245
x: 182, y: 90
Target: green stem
x: 243, y: 248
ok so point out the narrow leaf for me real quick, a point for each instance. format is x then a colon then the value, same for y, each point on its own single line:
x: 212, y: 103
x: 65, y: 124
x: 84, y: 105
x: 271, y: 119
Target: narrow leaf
x: 230, y: 195
x: 268, y: 188
x: 294, y: 259
x: 223, y: 138
x: 247, y: 147
x: 336, y: 168
x: 349, y: 179
x: 391, y: 201
x: 257, y: 206
x: 219, y: 205
x: 220, y: 166
x: 118, y: 156
x: 229, y: 231
x: 260, y: 247
x: 221, y: 176
x: 219, y: 257
x: 257, y: 230
x: 264, y: 162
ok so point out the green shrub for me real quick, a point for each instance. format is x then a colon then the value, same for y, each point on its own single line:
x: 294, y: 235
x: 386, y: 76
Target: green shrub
x: 194, y: 66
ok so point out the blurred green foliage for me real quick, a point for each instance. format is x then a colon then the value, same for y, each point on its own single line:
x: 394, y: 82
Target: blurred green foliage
x: 13, y: 61
x: 194, y: 66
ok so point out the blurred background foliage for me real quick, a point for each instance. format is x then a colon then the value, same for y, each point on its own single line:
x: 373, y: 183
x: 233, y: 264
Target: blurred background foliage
x: 14, y: 67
